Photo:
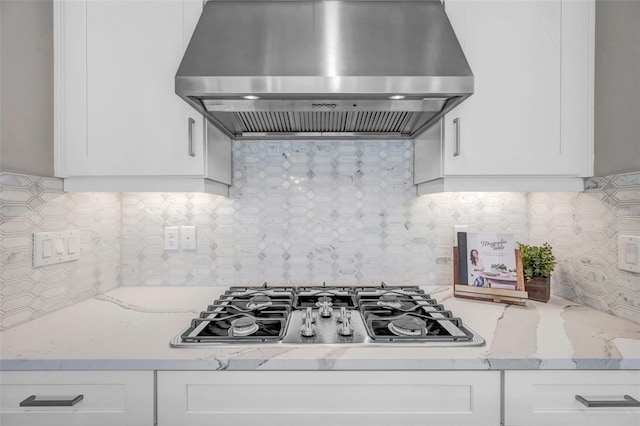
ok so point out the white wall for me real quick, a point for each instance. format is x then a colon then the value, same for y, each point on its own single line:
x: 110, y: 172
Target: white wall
x: 617, y: 87
x: 26, y: 86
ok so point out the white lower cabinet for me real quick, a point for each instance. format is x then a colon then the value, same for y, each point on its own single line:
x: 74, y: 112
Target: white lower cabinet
x: 317, y: 398
x: 323, y: 398
x: 92, y: 398
x: 548, y: 398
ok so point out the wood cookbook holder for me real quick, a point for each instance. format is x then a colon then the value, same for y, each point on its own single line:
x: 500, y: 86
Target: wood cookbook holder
x: 513, y: 297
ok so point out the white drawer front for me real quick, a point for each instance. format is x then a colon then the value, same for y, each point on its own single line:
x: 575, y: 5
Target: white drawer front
x: 110, y: 398
x: 548, y: 398
x: 369, y: 398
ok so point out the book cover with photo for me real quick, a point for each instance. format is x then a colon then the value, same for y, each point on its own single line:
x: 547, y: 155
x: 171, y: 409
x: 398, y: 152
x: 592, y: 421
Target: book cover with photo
x: 487, y: 260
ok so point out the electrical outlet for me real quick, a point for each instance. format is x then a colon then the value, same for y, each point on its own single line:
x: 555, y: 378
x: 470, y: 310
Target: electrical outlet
x: 188, y: 237
x: 171, y: 241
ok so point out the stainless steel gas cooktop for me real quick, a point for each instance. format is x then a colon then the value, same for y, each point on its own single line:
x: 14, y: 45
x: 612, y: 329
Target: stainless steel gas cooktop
x: 325, y: 315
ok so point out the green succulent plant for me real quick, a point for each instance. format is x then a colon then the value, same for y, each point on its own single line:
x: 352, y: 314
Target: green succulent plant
x: 537, y: 261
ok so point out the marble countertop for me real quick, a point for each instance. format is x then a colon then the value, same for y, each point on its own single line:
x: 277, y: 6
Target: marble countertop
x: 130, y: 328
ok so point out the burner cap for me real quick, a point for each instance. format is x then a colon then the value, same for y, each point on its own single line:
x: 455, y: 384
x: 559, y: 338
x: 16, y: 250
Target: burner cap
x: 259, y: 301
x: 388, y: 300
x: 244, y: 326
x: 324, y: 301
x: 407, y: 325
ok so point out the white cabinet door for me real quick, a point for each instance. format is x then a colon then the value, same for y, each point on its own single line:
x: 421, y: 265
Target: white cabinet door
x: 134, y: 124
x: 513, y: 117
x: 336, y: 398
x: 511, y: 125
x: 109, y: 398
x: 548, y: 398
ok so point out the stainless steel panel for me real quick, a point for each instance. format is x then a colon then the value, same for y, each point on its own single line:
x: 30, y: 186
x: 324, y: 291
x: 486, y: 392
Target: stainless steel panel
x: 336, y: 51
x: 324, y: 38
x: 187, y: 85
x: 330, y: 105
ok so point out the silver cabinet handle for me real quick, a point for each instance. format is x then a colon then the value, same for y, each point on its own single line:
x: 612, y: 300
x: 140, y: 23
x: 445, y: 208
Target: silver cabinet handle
x: 456, y: 123
x: 628, y: 402
x: 191, y: 124
x: 33, y: 402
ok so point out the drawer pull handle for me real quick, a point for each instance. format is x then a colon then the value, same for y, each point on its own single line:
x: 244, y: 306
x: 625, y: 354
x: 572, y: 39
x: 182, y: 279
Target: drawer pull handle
x: 628, y: 402
x: 33, y: 402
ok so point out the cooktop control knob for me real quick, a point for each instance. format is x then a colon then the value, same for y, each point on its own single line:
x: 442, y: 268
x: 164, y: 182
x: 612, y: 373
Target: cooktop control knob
x: 308, y: 314
x: 344, y: 314
x: 308, y: 329
x: 325, y: 311
x: 344, y: 327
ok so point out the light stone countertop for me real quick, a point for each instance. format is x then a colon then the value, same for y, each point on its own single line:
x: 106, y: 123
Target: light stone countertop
x: 130, y: 328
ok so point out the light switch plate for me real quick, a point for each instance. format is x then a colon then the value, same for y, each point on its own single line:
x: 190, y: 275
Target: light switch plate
x: 50, y: 248
x: 629, y: 253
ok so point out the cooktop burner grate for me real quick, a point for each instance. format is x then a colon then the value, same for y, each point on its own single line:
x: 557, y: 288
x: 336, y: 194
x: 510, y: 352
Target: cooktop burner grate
x: 221, y: 328
x: 327, y: 315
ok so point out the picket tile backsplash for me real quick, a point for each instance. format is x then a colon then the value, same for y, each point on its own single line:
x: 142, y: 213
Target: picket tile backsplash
x: 583, y: 228
x: 31, y: 204
x: 344, y: 213
x: 301, y: 212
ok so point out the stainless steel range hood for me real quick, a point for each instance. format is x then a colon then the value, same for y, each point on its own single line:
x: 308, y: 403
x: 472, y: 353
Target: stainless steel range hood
x: 324, y: 69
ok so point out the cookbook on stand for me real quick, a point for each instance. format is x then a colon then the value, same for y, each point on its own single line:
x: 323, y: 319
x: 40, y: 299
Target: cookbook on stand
x: 487, y: 266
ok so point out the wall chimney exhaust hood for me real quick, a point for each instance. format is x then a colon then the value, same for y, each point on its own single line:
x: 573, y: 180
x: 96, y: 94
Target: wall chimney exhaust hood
x: 331, y: 69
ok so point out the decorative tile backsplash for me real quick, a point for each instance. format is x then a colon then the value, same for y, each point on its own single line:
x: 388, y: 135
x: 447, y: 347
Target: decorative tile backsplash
x: 305, y: 213
x: 31, y: 204
x: 345, y: 213
x: 583, y: 229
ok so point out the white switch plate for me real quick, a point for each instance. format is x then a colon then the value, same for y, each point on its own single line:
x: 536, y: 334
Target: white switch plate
x: 171, y: 238
x: 50, y: 248
x: 629, y: 253
x: 188, y: 237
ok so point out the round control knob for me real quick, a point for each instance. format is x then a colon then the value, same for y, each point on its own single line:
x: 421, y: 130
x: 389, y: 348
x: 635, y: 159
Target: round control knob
x: 308, y: 329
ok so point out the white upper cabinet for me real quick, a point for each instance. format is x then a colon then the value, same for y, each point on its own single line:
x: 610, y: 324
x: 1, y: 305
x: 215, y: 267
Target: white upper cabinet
x: 117, y: 113
x: 133, y: 51
x: 530, y: 117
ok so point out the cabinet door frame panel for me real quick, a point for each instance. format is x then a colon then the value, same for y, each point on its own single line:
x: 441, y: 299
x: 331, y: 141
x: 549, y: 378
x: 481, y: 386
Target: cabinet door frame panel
x: 547, y: 398
x: 110, y: 398
x: 319, y: 398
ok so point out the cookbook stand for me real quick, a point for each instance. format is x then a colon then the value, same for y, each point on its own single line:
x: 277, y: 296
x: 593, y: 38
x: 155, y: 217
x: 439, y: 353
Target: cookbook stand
x: 499, y: 295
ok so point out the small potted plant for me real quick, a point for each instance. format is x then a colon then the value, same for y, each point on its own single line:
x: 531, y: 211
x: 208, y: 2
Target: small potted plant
x: 537, y: 262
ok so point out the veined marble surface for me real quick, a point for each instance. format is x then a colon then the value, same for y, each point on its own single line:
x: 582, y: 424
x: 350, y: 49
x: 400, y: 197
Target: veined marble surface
x: 130, y: 328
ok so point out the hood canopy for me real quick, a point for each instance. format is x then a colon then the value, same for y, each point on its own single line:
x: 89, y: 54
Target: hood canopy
x: 324, y: 69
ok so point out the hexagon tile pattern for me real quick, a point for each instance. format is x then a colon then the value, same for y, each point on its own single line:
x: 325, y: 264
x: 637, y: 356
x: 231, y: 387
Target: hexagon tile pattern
x: 31, y: 204
x: 583, y: 229
x: 301, y: 212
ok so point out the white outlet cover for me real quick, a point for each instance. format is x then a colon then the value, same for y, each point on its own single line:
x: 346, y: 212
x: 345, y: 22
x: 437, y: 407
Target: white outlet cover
x: 188, y: 237
x: 171, y: 238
